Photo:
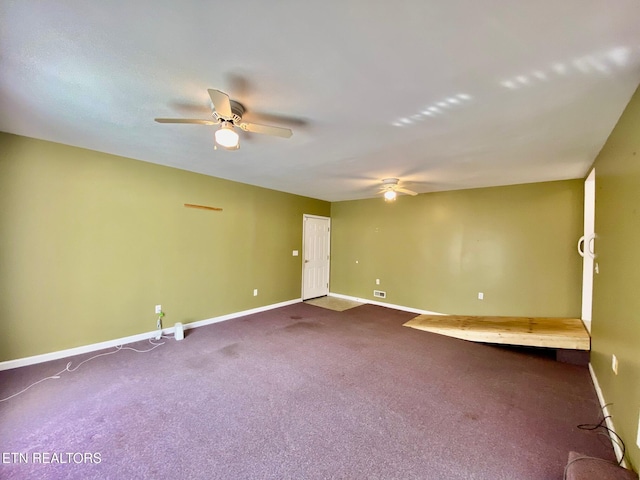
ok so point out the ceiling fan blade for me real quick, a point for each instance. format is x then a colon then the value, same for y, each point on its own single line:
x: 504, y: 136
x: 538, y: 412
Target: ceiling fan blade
x: 405, y: 191
x: 186, y: 120
x: 221, y: 103
x: 266, y: 129
x: 296, y: 122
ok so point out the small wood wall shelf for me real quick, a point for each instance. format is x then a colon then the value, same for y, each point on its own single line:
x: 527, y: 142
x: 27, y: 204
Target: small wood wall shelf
x: 203, y: 207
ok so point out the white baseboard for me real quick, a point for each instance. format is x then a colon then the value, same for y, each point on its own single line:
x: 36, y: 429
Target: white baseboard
x: 46, y: 357
x: 230, y: 316
x: 609, y: 422
x: 388, y: 305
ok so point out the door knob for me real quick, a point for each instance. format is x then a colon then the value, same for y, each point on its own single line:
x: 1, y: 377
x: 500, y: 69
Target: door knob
x: 581, y: 246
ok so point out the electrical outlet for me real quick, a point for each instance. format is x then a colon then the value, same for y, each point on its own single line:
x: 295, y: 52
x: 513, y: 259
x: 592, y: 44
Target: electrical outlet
x: 158, y: 309
x: 377, y: 281
x: 614, y: 364
x: 480, y: 296
x: 295, y: 253
x: 255, y: 292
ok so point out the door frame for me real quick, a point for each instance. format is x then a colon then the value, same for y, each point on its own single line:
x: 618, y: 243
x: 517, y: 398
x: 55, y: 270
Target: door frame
x: 588, y: 248
x: 305, y: 216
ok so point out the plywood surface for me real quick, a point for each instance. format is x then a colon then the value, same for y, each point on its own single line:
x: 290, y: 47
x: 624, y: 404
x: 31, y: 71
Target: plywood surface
x: 566, y: 333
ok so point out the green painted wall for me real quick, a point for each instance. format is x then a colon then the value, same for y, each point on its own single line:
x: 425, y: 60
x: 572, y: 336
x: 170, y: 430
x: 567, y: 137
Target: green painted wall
x: 90, y: 243
x: 616, y: 302
x: 436, y: 251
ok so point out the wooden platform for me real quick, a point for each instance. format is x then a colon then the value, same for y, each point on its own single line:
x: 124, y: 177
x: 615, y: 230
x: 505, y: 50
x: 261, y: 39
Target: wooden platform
x: 564, y: 333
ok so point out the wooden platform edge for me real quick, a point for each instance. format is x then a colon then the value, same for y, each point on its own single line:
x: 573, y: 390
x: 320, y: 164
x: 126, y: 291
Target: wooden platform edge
x: 562, y: 333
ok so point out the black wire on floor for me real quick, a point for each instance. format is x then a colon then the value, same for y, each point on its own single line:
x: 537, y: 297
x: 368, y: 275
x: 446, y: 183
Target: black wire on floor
x: 610, y: 433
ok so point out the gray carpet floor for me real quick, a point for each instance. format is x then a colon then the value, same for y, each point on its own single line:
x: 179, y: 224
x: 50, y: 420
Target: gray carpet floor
x: 302, y: 392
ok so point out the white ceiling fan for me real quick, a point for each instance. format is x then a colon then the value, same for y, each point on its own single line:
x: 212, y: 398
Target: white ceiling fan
x: 390, y: 189
x: 228, y: 114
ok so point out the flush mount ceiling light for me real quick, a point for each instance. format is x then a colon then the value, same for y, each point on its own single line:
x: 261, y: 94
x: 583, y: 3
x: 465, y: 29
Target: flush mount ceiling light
x: 226, y: 136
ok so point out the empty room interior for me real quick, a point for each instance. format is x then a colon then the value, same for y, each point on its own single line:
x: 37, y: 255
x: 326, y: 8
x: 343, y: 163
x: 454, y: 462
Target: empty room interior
x: 320, y: 239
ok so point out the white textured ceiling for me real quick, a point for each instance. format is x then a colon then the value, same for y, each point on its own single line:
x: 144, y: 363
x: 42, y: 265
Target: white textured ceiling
x: 442, y: 94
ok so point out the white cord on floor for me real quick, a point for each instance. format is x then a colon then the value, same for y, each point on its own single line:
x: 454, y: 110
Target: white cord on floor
x: 69, y: 369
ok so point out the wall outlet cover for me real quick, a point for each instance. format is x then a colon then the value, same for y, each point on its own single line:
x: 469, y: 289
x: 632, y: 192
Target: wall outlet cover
x: 158, y: 309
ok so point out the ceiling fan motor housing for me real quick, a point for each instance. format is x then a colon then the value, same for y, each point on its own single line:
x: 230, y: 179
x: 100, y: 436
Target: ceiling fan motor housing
x: 391, y: 185
x: 237, y: 110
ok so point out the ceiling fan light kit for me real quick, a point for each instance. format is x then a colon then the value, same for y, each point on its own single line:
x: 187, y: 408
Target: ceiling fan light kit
x: 228, y: 114
x: 390, y: 189
x: 226, y: 136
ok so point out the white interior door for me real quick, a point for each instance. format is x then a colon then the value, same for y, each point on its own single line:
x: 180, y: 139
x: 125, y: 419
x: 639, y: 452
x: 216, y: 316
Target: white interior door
x: 315, y: 262
x: 586, y: 247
